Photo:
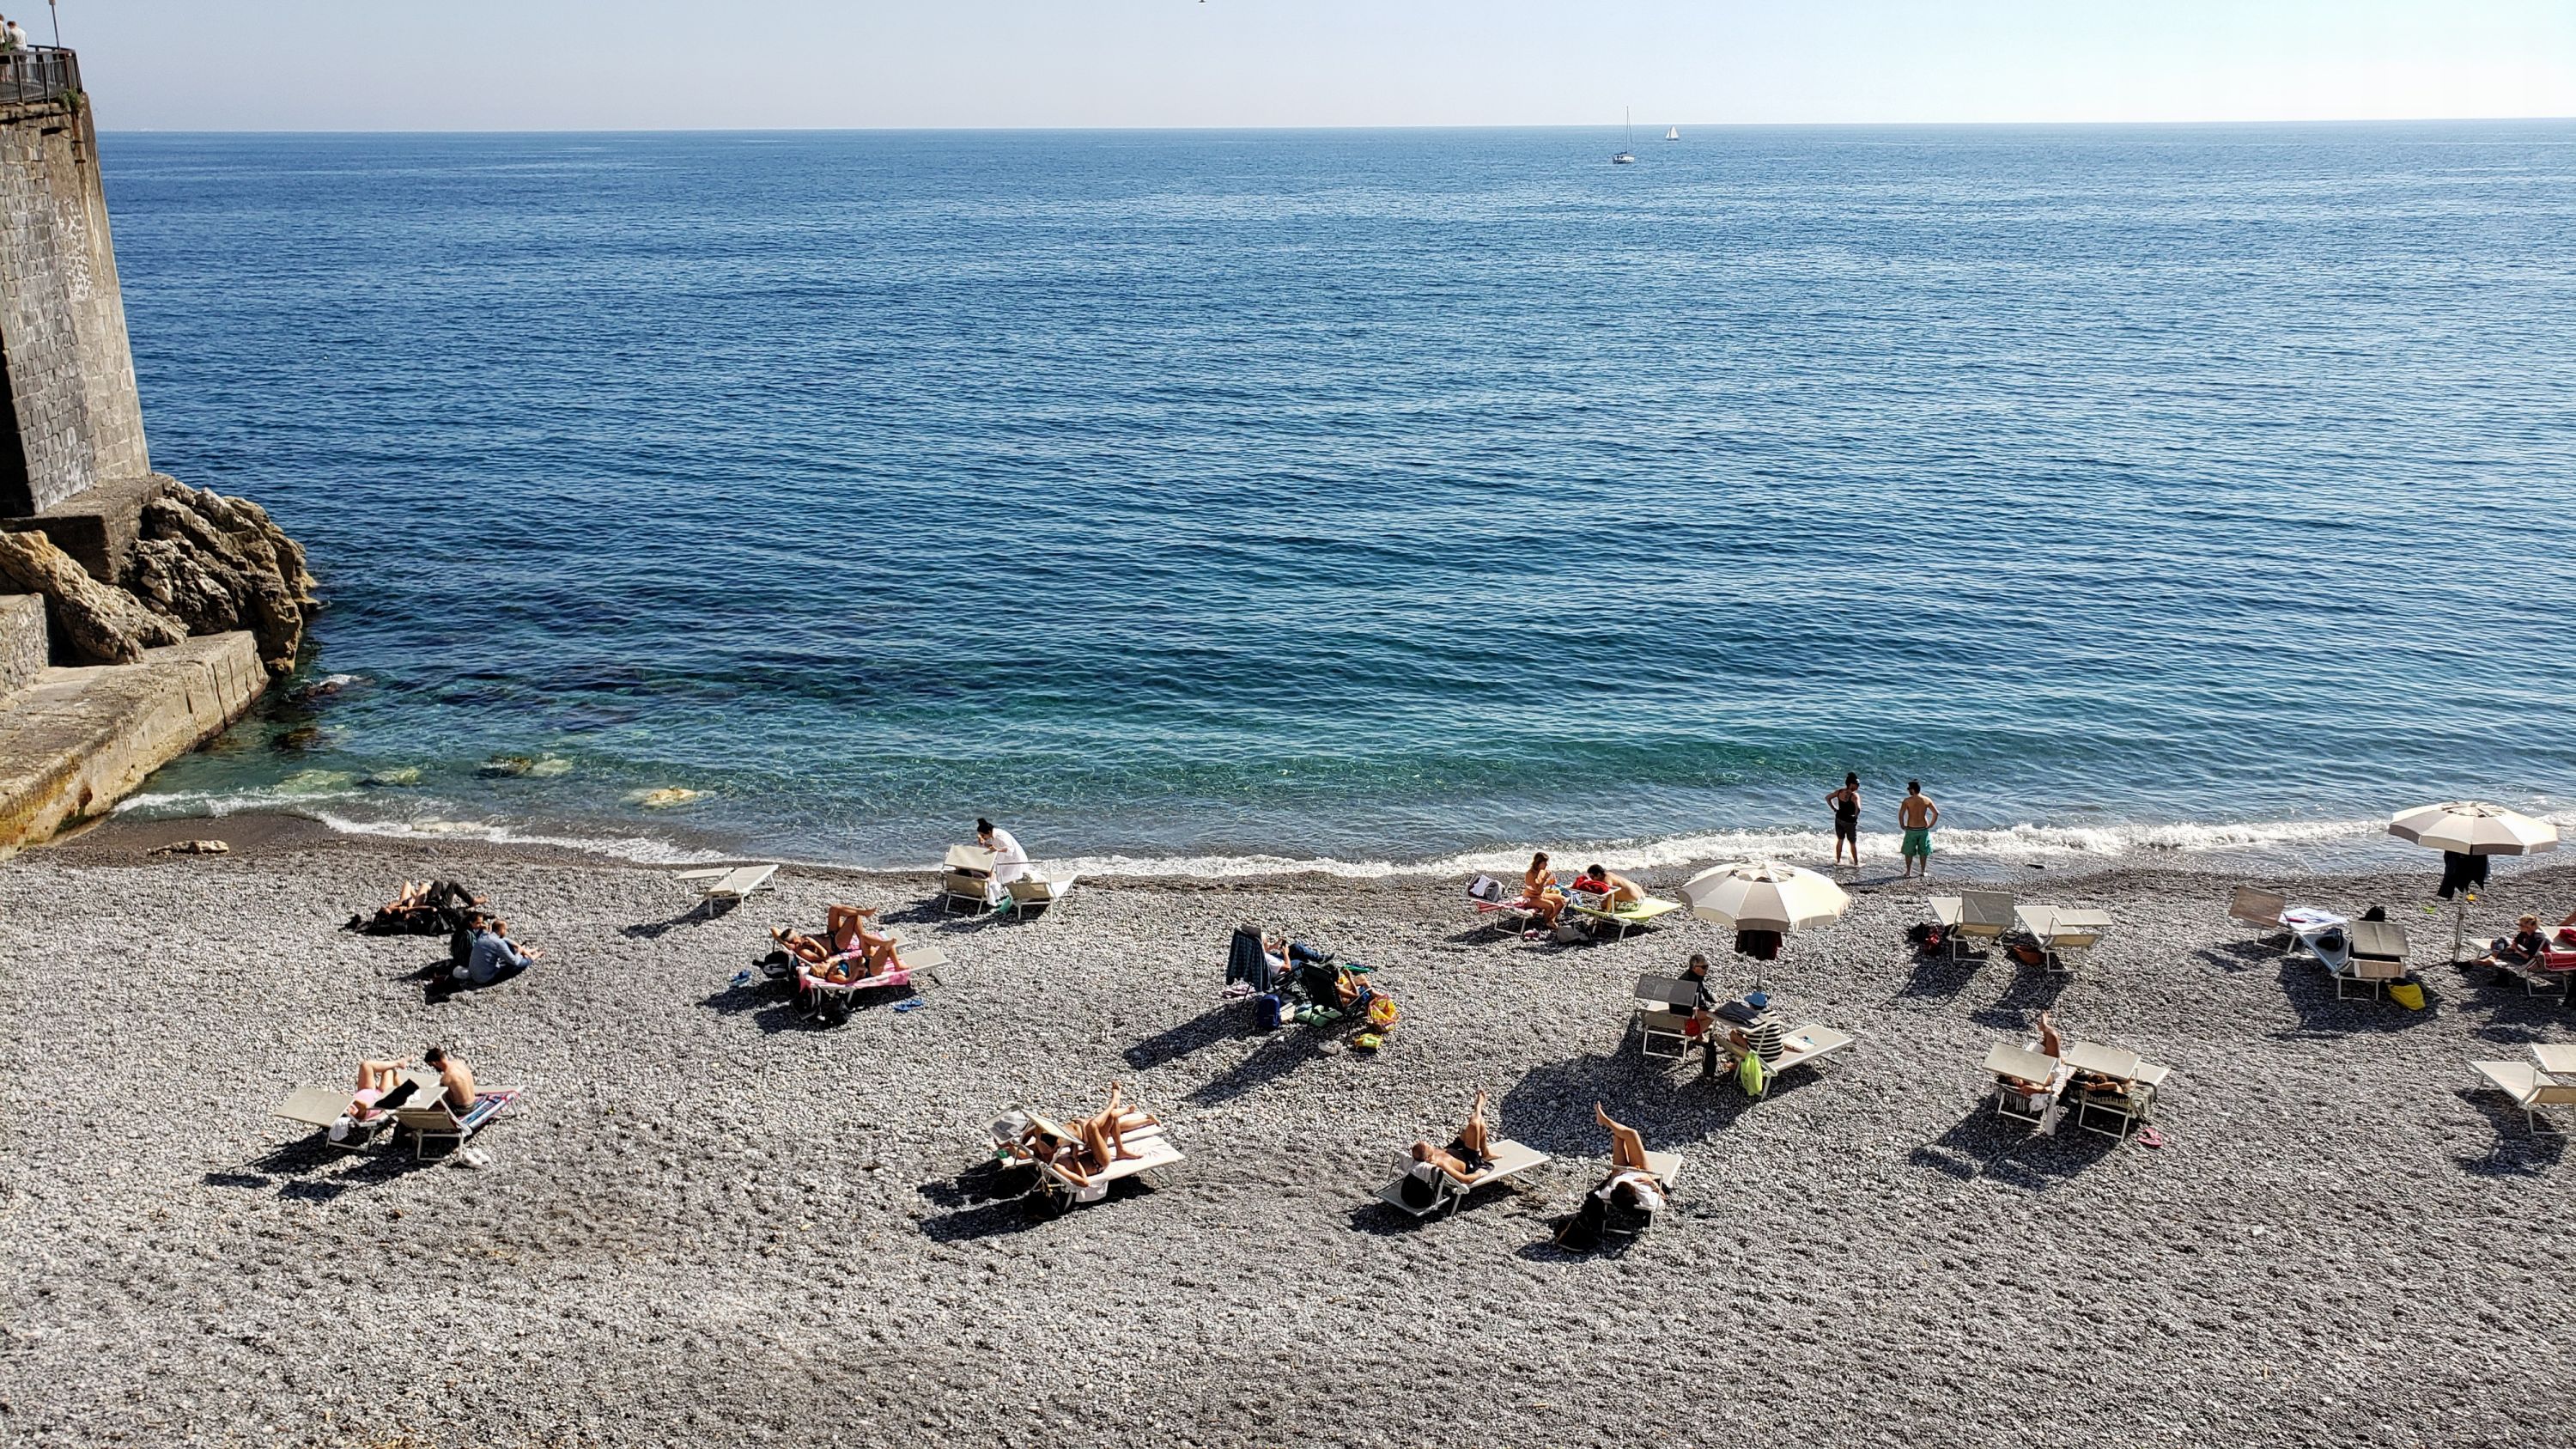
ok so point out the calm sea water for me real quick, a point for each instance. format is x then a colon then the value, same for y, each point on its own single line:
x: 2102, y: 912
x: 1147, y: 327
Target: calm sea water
x: 1385, y: 496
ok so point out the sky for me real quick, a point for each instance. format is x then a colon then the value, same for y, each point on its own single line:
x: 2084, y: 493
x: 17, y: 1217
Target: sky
x: 780, y: 64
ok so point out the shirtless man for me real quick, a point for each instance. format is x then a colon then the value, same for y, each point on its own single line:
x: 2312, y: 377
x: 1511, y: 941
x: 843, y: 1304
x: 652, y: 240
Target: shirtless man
x: 453, y: 1075
x: 1916, y: 815
x: 1616, y: 889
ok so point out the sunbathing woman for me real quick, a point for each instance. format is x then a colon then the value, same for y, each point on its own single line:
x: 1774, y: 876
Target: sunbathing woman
x: 1627, y: 1149
x: 2051, y: 1045
x: 1538, y: 888
x: 1466, y: 1157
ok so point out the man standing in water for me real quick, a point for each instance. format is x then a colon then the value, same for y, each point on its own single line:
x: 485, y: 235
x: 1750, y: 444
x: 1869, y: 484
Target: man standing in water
x: 1916, y: 815
x: 1846, y: 803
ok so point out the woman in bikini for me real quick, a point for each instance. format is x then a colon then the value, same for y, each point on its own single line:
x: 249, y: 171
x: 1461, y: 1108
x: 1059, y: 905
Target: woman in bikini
x: 1538, y: 887
x: 1846, y: 803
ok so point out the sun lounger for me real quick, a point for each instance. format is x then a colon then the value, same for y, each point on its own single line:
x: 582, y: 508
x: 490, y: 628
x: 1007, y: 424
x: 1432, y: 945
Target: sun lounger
x: 1665, y: 1005
x: 1146, y: 1139
x: 431, y: 1118
x: 2531, y: 1089
x: 2012, y: 1064
x: 321, y: 1108
x: 1799, y: 1046
x: 1623, y: 917
x: 727, y: 884
x: 966, y: 879
x: 1033, y: 893
x: 2260, y: 909
x: 2132, y: 1098
x: 2378, y: 957
x: 1500, y: 905
x: 1973, y: 915
x: 2060, y: 929
x: 1443, y: 1193
x: 913, y: 967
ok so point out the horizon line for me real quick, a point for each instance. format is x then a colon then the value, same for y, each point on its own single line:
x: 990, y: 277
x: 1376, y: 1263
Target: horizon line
x: 1586, y: 128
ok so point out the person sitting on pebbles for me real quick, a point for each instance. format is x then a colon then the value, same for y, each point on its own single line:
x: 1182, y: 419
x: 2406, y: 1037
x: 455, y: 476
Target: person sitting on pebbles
x: 494, y: 956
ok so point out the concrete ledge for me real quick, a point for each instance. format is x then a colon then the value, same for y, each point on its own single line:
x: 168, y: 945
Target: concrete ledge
x: 97, y: 526
x: 83, y: 739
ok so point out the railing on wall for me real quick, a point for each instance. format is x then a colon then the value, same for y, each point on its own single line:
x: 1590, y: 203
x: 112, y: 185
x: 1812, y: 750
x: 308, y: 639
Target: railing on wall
x: 37, y: 75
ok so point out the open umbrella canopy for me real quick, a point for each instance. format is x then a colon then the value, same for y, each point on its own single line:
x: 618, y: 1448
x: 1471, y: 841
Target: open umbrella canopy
x: 2473, y: 827
x: 1761, y: 895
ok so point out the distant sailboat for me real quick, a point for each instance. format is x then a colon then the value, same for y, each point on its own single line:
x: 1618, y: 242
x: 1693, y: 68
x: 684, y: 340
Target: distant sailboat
x: 1672, y: 133
x: 1628, y: 154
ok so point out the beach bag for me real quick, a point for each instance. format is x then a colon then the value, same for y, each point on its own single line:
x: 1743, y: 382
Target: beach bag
x: 1568, y: 932
x: 1487, y: 889
x: 1752, y: 1076
x: 2407, y: 994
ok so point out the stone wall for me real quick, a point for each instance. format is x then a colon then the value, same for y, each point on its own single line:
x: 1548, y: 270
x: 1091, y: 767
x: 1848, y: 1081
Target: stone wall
x: 75, y: 419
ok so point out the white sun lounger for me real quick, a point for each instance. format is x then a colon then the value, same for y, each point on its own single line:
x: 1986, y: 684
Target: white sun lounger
x: 2010, y: 1064
x: 1154, y: 1150
x: 966, y: 879
x: 1510, y: 1159
x: 2139, y: 1080
x: 1799, y: 1046
x: 731, y: 884
x: 2260, y: 909
x: 2060, y: 929
x: 913, y: 966
x: 1982, y: 915
x: 430, y: 1117
x: 2529, y: 1088
x: 1032, y: 893
x: 1665, y: 1005
x: 2378, y: 957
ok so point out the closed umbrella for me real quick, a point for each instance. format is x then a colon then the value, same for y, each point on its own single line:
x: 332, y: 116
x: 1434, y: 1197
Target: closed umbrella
x: 2471, y: 828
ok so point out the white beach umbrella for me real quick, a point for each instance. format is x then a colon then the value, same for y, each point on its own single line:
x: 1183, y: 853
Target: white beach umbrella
x: 1762, y: 895
x: 2473, y: 827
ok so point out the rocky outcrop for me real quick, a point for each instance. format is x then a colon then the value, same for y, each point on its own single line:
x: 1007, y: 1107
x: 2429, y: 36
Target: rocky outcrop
x: 201, y: 564
x: 217, y: 564
x: 95, y: 623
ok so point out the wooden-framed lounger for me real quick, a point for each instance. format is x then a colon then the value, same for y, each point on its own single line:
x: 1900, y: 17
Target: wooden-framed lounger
x: 1510, y: 1159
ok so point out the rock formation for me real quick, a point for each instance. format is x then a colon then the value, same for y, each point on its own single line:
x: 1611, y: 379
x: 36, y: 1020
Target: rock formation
x: 203, y: 564
x: 93, y: 623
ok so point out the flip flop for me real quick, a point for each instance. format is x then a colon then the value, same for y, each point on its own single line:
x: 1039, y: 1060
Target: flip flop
x: 2150, y: 1137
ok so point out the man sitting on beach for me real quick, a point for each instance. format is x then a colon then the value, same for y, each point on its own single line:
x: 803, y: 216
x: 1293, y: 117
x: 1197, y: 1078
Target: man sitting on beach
x: 1916, y: 815
x: 494, y: 956
x: 1614, y: 889
x: 455, y: 1078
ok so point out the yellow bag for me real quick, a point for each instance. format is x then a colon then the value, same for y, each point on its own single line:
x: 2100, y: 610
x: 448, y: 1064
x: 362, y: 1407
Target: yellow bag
x: 2407, y: 994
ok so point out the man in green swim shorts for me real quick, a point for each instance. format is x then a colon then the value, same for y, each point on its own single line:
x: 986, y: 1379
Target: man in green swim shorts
x: 1917, y: 815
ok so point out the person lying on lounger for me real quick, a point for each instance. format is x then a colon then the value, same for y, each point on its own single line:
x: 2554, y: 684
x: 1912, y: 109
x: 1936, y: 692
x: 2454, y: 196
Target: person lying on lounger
x: 1630, y: 1188
x: 1466, y: 1157
x: 1615, y: 890
x: 2051, y: 1045
x: 1088, y: 1145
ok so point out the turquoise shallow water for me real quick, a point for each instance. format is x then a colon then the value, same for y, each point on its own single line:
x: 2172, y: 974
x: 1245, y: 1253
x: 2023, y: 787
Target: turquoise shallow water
x: 1385, y: 496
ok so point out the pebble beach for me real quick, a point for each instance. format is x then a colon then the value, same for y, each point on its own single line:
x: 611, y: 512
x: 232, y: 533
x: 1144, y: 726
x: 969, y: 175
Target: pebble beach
x: 710, y: 1221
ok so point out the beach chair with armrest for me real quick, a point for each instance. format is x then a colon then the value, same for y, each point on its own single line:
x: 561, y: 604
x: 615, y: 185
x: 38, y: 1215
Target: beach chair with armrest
x: 1624, y: 916
x: 2011, y: 1065
x: 726, y: 886
x: 1440, y: 1193
x: 966, y: 880
x: 2262, y: 910
x: 1032, y: 893
x: 2531, y: 1089
x: 1665, y: 1006
x: 1501, y: 906
x: 1973, y: 915
x: 1620, y: 1228
x: 1152, y: 1147
x: 2378, y: 957
x: 428, y: 1117
x: 2129, y: 1100
x: 2057, y: 930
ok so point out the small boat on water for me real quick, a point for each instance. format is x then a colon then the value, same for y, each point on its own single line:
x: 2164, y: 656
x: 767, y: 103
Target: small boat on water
x: 1628, y: 154
x: 1672, y: 133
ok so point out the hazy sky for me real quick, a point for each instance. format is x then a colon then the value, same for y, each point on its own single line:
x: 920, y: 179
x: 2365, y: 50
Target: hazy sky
x: 533, y: 64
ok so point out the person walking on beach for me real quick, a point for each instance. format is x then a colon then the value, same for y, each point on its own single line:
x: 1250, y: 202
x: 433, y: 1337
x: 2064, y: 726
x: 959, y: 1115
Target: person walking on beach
x: 1846, y: 803
x: 1916, y: 815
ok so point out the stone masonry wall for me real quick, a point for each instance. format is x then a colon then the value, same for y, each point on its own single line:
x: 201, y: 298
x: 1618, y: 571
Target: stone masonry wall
x: 75, y: 418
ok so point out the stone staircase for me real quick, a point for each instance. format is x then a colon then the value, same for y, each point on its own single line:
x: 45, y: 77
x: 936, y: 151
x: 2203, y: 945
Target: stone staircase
x: 74, y: 741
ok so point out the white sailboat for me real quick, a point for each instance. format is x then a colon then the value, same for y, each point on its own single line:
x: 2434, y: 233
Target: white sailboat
x: 1672, y: 133
x: 1628, y: 154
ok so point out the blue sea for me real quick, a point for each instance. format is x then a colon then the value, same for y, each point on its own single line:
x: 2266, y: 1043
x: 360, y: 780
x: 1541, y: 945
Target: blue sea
x: 1406, y: 498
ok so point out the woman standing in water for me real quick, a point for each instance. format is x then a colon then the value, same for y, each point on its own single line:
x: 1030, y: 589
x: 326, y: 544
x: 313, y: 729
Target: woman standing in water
x: 1846, y: 803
